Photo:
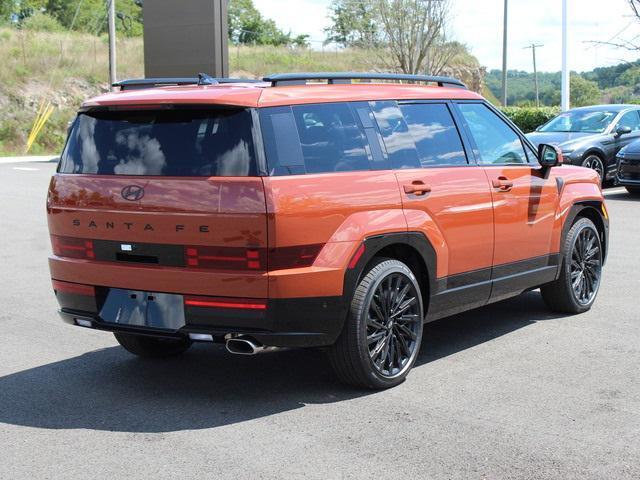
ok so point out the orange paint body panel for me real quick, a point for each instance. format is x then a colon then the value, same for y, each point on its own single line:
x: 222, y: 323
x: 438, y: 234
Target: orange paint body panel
x: 228, y: 212
x: 456, y: 215
x: 339, y: 210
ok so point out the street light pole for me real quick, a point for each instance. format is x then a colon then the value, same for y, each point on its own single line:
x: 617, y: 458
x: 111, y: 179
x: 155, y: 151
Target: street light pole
x: 504, y: 57
x: 112, y: 42
x: 565, y: 69
x: 533, y: 47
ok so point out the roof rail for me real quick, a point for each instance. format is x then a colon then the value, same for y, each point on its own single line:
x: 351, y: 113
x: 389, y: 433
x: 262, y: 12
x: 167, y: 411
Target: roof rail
x: 201, y: 79
x: 284, y: 79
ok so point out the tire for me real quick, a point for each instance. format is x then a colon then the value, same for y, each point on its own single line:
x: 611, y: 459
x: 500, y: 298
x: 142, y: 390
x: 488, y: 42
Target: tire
x: 152, y: 347
x: 381, y: 337
x: 635, y: 191
x: 594, y: 162
x: 576, y: 288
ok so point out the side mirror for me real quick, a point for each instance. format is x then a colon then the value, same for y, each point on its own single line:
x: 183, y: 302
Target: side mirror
x: 622, y: 131
x: 549, y: 155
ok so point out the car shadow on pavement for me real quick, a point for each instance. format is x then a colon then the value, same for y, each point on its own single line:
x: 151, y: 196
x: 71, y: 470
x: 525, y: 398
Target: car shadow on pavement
x: 110, y: 390
x: 622, y: 197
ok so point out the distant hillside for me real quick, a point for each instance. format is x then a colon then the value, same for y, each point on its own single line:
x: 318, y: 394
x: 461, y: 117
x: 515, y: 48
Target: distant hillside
x: 65, y: 69
x: 616, y: 84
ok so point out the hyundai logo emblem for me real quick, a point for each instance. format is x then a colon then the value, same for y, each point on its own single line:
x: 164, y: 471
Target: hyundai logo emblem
x: 132, y: 193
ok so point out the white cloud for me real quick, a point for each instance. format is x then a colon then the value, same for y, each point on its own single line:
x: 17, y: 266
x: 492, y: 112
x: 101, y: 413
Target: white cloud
x: 479, y: 25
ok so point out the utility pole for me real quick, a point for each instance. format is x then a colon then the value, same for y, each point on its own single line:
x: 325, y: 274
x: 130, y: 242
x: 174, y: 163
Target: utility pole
x: 112, y: 42
x: 533, y: 47
x: 565, y: 68
x: 504, y: 57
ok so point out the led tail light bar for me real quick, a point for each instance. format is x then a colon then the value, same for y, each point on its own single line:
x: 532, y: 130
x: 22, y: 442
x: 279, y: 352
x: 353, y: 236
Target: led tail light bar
x: 72, y: 247
x: 222, y: 302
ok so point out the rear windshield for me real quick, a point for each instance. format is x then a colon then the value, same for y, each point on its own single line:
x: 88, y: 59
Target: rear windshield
x: 189, y: 142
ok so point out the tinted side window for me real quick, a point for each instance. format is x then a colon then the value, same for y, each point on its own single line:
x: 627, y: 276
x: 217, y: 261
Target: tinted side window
x: 399, y: 143
x: 314, y: 139
x: 631, y: 120
x: 435, y: 134
x: 497, y: 143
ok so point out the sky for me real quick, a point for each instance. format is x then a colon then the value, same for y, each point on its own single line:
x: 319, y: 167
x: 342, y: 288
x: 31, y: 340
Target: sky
x: 478, y: 24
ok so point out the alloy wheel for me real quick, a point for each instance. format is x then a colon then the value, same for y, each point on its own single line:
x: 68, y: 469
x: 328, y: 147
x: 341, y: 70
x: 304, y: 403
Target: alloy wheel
x: 586, y: 265
x: 393, y: 324
x: 594, y: 163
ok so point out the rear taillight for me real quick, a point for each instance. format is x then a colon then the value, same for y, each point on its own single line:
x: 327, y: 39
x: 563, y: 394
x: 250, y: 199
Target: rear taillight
x: 293, y: 257
x: 72, y: 247
x: 226, y: 258
x: 232, y: 258
x: 219, y: 302
x: 74, y: 288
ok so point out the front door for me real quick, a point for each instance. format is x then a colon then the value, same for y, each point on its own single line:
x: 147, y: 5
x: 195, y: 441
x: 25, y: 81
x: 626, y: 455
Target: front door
x: 524, y: 202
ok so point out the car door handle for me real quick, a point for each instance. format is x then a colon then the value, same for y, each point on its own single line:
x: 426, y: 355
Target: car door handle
x: 502, y: 184
x: 416, y: 188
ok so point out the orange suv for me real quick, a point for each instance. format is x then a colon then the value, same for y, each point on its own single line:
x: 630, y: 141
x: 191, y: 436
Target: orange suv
x: 337, y: 210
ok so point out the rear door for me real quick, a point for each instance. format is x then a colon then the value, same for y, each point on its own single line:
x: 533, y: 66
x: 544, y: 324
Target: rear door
x: 525, y: 200
x: 439, y: 184
x: 156, y: 193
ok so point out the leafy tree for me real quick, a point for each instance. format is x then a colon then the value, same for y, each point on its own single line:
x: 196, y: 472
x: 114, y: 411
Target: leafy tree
x: 91, y: 17
x: 583, y: 92
x: 410, y: 33
x: 352, y: 23
x: 247, y: 26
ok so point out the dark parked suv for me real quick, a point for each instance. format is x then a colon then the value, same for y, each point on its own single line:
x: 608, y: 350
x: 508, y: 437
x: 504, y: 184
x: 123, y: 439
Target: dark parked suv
x: 592, y: 136
x: 311, y: 210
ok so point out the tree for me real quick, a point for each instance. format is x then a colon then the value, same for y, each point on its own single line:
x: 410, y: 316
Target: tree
x: 411, y: 34
x: 247, y: 26
x: 91, y: 18
x: 583, y: 92
x: 353, y: 24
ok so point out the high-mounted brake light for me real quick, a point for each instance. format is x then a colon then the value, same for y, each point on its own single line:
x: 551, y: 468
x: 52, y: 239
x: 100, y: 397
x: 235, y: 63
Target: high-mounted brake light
x: 73, y: 288
x: 220, y: 302
x: 72, y: 247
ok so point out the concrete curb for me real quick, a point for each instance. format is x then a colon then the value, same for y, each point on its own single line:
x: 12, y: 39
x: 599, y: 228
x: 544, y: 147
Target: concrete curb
x: 29, y: 158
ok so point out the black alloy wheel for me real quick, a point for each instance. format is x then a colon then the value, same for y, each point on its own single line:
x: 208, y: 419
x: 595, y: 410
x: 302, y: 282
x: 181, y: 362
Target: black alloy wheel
x: 577, y: 286
x: 381, y: 337
x: 393, y: 324
x: 586, y: 265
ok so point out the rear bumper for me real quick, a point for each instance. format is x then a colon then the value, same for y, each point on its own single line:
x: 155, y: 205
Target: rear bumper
x: 297, y: 322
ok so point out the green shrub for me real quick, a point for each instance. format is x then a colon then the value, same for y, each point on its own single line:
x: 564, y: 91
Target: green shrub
x: 41, y: 22
x: 529, y: 118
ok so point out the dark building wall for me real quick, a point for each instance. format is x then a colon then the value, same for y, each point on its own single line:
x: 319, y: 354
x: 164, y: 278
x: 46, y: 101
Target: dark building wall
x: 185, y: 37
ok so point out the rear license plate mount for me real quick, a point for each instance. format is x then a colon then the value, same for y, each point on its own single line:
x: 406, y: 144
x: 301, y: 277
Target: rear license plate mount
x: 136, y: 308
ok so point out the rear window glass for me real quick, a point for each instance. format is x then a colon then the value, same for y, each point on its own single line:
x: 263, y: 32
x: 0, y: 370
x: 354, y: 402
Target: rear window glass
x: 314, y: 139
x: 189, y: 142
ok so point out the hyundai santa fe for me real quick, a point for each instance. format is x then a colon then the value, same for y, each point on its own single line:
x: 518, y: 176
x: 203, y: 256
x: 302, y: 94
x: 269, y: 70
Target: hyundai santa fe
x: 333, y: 210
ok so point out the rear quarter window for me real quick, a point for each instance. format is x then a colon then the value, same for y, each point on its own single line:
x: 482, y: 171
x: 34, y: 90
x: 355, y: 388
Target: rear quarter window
x: 314, y: 138
x: 189, y: 142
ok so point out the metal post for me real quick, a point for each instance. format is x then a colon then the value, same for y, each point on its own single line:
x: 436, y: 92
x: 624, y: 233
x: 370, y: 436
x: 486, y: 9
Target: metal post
x: 112, y: 42
x: 565, y: 68
x: 504, y: 57
x: 533, y: 47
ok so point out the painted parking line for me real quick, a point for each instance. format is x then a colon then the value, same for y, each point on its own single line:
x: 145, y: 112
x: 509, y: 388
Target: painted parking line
x: 614, y: 190
x: 28, y: 169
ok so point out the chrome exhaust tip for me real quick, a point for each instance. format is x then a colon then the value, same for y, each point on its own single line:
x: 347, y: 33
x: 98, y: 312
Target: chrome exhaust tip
x: 243, y: 346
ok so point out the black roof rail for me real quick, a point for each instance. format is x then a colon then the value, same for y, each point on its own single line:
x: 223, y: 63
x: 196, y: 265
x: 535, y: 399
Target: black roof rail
x: 283, y: 79
x: 201, y: 79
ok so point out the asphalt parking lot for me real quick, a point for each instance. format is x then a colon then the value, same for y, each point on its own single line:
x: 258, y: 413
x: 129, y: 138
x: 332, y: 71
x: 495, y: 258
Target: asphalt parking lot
x: 507, y: 391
